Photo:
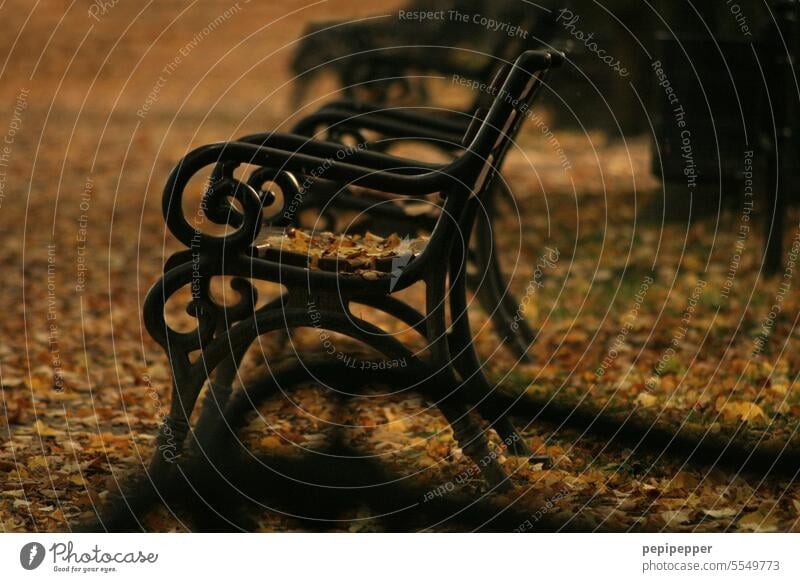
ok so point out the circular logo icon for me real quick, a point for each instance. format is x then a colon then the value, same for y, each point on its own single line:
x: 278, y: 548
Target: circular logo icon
x: 31, y: 555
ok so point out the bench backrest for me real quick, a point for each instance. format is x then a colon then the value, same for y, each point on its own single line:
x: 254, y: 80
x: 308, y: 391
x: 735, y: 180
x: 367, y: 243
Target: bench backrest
x: 494, y: 131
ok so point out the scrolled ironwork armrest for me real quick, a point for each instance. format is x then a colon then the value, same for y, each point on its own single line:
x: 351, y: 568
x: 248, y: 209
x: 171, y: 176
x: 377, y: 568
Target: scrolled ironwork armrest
x: 215, y: 206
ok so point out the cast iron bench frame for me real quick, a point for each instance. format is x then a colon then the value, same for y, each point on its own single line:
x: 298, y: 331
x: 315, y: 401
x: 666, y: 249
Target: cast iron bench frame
x: 449, y: 132
x: 450, y: 375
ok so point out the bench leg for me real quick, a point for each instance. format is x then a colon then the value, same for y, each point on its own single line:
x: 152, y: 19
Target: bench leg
x: 467, y: 432
x: 221, y: 387
x: 172, y: 435
x: 505, y: 311
x: 469, y: 366
x: 494, y: 295
x: 214, y: 403
x: 471, y: 438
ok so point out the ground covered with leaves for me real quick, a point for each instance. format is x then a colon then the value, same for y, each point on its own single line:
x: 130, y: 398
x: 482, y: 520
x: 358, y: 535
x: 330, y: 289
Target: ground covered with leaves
x: 646, y: 329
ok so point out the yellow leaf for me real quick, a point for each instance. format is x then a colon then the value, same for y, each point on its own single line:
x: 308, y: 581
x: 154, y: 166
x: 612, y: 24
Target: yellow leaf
x: 720, y: 513
x: 683, y: 480
x: 746, y: 411
x: 758, y: 522
x: 675, y: 517
x: 780, y: 387
x: 37, y: 461
x: 43, y: 430
x: 646, y: 400
x: 76, y: 480
x: 271, y: 442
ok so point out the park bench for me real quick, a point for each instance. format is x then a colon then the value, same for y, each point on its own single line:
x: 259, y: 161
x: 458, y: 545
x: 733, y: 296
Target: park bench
x: 350, y: 119
x: 324, y: 273
x: 444, y: 130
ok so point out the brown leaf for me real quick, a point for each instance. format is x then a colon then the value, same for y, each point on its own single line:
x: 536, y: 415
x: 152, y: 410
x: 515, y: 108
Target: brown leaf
x: 745, y: 411
x: 758, y: 521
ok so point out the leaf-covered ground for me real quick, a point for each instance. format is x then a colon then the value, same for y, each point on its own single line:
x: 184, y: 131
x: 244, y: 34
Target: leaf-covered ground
x: 666, y: 324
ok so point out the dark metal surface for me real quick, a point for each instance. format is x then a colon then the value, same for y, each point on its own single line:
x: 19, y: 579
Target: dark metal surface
x: 429, y: 126
x: 448, y: 373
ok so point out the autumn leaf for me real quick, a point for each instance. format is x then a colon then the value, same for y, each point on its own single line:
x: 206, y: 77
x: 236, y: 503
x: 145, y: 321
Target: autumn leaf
x: 272, y: 442
x: 758, y: 521
x: 745, y: 411
x: 720, y: 513
x: 646, y: 400
x: 675, y: 517
x: 44, y: 430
